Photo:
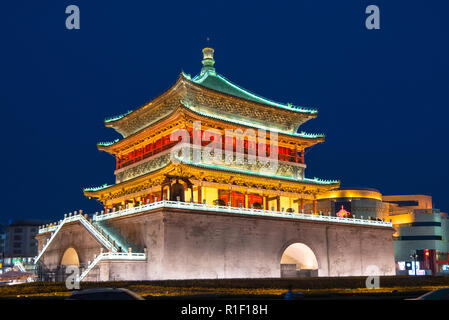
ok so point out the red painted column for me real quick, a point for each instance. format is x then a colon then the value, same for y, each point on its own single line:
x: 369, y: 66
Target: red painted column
x: 200, y: 196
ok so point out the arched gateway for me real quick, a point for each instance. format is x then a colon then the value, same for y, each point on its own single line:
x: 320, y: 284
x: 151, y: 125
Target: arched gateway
x: 298, y: 260
x: 70, y: 258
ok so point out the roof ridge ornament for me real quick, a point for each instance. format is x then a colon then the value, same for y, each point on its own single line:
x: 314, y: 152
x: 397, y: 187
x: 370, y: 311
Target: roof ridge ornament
x: 208, y: 61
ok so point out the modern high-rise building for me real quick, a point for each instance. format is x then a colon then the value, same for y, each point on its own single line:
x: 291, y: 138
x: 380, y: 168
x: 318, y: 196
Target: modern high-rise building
x: 421, y: 234
x: 421, y: 238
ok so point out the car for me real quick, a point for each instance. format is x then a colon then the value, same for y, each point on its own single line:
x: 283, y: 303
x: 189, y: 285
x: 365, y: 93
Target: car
x: 104, y: 294
x: 440, y: 294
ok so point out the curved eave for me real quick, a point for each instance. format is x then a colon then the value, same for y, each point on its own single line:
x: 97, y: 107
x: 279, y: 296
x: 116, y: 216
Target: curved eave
x: 121, y: 118
x: 251, y: 97
x: 306, y: 181
x: 323, y: 185
x: 96, y: 189
x: 183, y: 108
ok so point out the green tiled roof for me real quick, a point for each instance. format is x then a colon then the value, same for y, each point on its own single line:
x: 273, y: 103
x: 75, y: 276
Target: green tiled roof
x: 315, y: 181
x: 217, y: 82
x: 115, y: 118
x: 301, y: 134
x: 208, y: 78
x: 105, y: 186
x: 109, y: 143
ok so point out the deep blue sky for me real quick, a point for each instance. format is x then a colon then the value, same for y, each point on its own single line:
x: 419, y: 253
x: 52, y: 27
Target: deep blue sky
x: 382, y: 95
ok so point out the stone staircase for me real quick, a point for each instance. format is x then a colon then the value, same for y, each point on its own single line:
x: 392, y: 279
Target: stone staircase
x: 100, y: 234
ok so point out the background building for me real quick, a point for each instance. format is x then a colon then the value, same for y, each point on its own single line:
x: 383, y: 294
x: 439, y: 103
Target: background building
x: 422, y: 231
x: 2, y: 244
x: 20, y: 242
x: 360, y: 203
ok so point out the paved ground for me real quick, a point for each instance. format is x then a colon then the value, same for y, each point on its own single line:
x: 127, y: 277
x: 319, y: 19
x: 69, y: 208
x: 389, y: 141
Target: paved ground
x: 333, y: 296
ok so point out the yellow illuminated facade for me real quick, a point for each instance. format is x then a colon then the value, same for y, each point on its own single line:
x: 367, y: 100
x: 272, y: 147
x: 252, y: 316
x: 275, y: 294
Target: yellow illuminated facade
x: 351, y: 193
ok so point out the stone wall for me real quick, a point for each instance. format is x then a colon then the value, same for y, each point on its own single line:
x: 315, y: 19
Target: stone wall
x: 184, y: 244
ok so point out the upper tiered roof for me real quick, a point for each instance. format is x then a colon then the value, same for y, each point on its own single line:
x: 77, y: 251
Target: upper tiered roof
x: 209, y: 93
x: 212, y: 80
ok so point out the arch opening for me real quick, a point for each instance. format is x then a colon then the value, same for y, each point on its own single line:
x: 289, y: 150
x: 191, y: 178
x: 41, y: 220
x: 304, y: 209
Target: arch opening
x: 70, y: 258
x: 298, y: 260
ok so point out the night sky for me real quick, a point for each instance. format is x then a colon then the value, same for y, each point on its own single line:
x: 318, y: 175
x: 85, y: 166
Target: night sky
x: 382, y: 95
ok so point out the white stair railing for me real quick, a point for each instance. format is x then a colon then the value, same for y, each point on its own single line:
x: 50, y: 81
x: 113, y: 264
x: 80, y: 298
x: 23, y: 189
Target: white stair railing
x: 53, y: 235
x: 236, y: 210
x: 97, y: 234
x: 91, y: 266
x: 113, y: 256
x: 20, y: 266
